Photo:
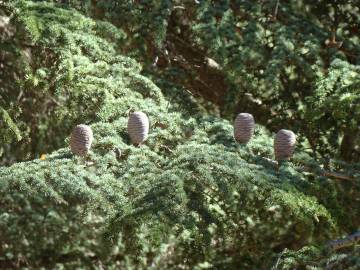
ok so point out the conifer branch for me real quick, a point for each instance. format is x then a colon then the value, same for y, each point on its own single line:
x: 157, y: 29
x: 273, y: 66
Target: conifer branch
x: 326, y: 173
x: 344, y: 242
x: 48, y: 260
x: 198, y: 195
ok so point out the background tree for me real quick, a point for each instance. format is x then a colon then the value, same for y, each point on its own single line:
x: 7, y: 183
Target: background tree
x: 264, y: 57
x: 190, y: 197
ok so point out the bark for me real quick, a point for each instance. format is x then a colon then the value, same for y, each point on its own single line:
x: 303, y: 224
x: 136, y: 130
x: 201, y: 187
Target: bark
x: 348, y: 144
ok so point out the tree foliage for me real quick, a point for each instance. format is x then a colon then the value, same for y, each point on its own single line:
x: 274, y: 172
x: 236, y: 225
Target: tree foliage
x: 190, y: 197
x: 265, y: 57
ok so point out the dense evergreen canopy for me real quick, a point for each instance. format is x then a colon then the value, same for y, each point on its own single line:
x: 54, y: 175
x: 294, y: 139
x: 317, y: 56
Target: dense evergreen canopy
x: 190, y: 197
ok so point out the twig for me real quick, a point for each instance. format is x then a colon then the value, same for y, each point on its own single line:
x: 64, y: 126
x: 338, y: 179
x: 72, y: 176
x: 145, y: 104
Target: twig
x: 322, y: 172
x: 276, y: 9
x: 20, y: 95
x: 277, y: 262
x: 54, y: 100
x: 329, y: 174
x: 273, y: 162
x: 155, y: 61
x: 344, y: 242
x: 178, y: 7
x: 338, y: 175
x: 166, y: 148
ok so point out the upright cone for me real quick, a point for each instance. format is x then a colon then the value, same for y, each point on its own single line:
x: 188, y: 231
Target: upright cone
x: 81, y: 139
x: 284, y: 144
x: 244, y: 126
x: 138, y: 127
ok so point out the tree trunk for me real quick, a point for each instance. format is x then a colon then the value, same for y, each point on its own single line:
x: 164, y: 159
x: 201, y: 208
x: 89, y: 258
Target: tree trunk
x: 348, y: 144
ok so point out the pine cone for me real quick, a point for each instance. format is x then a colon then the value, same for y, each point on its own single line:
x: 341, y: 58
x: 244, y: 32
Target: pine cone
x: 138, y: 127
x: 284, y: 144
x: 244, y: 126
x: 81, y: 139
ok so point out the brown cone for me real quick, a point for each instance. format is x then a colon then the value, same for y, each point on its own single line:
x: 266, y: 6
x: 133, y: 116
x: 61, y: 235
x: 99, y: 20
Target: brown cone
x: 244, y: 126
x: 138, y: 127
x: 284, y: 144
x: 81, y: 139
